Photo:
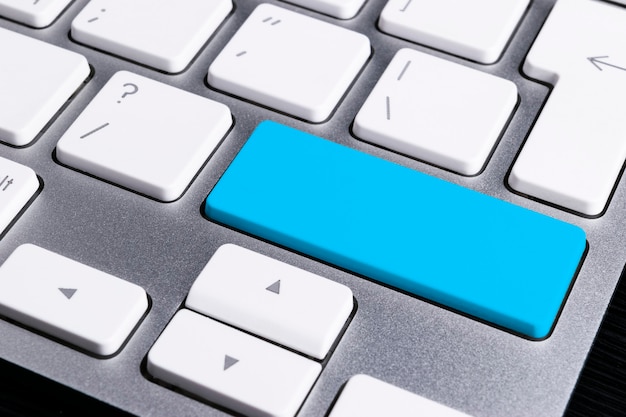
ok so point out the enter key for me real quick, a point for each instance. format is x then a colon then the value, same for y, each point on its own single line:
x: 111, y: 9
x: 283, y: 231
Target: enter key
x: 575, y: 152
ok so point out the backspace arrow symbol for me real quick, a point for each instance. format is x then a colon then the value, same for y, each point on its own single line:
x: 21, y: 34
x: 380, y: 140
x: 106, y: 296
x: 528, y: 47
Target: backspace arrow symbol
x: 596, y: 61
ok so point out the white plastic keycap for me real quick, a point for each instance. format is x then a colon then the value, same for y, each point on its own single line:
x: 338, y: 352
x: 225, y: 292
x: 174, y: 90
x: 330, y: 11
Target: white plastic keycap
x: 365, y: 396
x: 341, y: 9
x: 437, y: 111
x: 165, y: 34
x: 36, y: 80
x: 18, y: 184
x: 36, y: 13
x: 145, y: 135
x: 230, y: 368
x: 576, y: 149
x: 477, y: 30
x: 290, y: 62
x: 269, y: 298
x: 81, y: 305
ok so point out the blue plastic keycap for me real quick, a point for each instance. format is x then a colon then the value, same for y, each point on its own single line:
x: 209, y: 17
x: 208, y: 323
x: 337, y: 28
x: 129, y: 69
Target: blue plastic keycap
x: 481, y: 256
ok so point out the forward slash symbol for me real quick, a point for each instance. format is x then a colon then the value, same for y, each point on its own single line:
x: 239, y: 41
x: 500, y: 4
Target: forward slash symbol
x: 94, y: 130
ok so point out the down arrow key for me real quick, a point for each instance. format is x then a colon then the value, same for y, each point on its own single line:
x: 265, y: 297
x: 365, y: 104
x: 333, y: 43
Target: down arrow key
x: 68, y: 292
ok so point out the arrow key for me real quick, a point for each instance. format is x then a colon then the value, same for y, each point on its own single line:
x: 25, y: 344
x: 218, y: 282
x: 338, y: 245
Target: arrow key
x: 85, y: 307
x: 269, y: 298
x: 231, y: 368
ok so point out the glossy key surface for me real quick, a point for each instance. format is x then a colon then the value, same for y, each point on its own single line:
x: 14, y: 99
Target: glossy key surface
x: 365, y: 396
x: 478, y: 255
x: 576, y: 150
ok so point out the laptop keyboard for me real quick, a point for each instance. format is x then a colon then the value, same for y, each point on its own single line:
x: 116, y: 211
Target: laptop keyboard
x: 218, y: 207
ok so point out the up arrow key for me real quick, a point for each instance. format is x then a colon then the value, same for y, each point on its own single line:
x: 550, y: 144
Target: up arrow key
x: 275, y: 287
x: 68, y: 292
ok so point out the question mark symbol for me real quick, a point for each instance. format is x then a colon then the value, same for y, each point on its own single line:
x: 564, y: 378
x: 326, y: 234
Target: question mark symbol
x: 132, y: 89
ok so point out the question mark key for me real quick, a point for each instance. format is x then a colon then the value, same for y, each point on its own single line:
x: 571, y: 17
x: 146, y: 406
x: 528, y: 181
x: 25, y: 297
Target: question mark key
x: 129, y: 88
x: 145, y: 136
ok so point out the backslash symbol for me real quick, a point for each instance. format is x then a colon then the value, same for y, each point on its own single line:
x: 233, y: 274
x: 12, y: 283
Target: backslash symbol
x: 6, y: 183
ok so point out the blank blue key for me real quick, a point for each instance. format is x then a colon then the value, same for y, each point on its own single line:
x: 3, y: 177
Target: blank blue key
x: 498, y: 262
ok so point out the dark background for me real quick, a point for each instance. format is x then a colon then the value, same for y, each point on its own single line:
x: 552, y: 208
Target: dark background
x: 601, y: 389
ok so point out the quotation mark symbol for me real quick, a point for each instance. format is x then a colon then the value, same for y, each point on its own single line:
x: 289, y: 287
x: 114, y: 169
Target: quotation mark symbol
x: 273, y: 21
x: 93, y: 19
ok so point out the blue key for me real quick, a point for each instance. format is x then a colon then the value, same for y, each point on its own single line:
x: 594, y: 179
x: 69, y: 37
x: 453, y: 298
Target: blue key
x: 475, y: 254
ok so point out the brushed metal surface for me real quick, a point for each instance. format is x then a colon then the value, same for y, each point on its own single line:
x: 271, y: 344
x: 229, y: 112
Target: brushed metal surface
x: 403, y: 340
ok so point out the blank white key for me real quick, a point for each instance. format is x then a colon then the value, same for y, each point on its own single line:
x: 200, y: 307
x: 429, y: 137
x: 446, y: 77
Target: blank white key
x: 145, y: 135
x: 36, y: 13
x: 52, y: 75
x: 437, y: 111
x: 18, y: 184
x: 68, y: 300
x: 290, y: 62
x: 576, y: 149
x: 365, y: 396
x: 342, y: 9
x: 272, y: 299
x: 163, y: 34
x: 477, y: 30
x: 231, y: 368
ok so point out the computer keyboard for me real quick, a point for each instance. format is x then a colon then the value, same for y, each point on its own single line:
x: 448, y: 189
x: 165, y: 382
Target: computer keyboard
x: 314, y: 207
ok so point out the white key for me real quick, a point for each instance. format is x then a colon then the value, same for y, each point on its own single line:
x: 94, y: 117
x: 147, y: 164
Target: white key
x: 37, y: 83
x: 36, y: 13
x: 576, y: 149
x: 18, y: 184
x: 68, y: 300
x: 283, y: 60
x: 145, y: 135
x: 231, y: 368
x: 477, y: 30
x: 272, y: 299
x: 341, y: 9
x: 437, y: 111
x: 164, y: 34
x: 365, y: 396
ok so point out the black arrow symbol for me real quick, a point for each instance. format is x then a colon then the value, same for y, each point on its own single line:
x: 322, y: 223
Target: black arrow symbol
x: 596, y: 61
x: 275, y: 287
x: 68, y: 292
x: 229, y: 361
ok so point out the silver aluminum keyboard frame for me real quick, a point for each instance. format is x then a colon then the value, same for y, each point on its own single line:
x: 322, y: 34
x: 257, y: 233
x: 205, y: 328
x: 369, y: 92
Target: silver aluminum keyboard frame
x: 403, y: 340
